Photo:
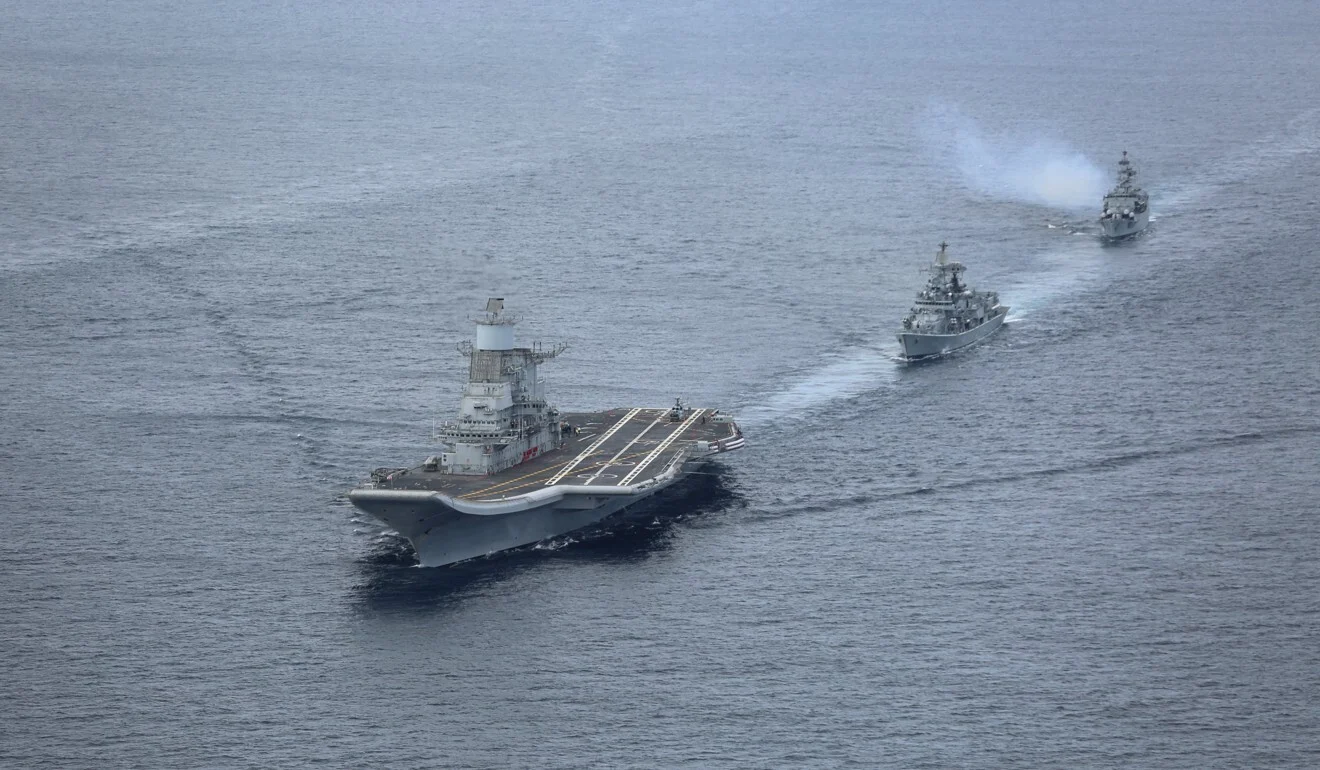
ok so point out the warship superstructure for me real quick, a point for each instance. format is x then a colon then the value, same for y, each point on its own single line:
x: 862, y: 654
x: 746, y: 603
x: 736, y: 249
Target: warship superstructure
x: 515, y: 470
x: 947, y: 314
x: 1126, y: 209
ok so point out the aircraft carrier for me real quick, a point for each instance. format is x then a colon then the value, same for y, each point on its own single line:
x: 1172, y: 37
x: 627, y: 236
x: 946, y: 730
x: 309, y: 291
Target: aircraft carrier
x: 516, y: 471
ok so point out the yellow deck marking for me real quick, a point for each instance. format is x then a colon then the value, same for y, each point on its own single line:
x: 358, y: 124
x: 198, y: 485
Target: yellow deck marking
x: 477, y: 496
x: 494, y: 487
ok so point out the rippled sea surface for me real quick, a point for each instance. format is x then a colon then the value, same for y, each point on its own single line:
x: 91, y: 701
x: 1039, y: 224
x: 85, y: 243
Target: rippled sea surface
x: 239, y: 242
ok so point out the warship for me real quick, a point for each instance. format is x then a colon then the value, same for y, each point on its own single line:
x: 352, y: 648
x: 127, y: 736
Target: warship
x: 947, y: 314
x: 1127, y: 207
x: 514, y: 470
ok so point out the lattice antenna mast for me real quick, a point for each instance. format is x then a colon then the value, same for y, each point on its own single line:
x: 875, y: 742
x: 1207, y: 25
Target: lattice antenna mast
x: 1127, y: 175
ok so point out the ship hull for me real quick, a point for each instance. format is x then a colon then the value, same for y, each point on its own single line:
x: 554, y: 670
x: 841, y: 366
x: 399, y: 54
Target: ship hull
x: 608, y: 461
x: 915, y: 347
x: 441, y: 534
x: 1119, y: 228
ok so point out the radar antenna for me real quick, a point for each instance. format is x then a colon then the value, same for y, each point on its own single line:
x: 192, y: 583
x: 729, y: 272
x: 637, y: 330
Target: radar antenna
x: 494, y: 314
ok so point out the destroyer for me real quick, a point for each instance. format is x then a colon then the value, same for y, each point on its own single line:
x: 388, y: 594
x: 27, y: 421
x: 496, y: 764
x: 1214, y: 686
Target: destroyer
x: 514, y: 470
x: 948, y: 315
x: 1127, y: 207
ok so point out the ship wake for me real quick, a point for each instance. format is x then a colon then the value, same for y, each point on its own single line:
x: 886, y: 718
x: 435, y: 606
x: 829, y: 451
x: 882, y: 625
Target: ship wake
x: 1059, y: 273
x: 851, y: 373
x: 1299, y: 137
x: 1103, y: 462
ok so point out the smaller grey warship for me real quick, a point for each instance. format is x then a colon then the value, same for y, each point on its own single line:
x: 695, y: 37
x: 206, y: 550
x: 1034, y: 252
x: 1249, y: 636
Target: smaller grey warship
x: 516, y: 471
x: 948, y: 315
x: 1127, y: 207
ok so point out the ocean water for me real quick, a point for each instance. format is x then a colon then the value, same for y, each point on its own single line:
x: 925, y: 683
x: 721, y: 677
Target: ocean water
x: 238, y: 243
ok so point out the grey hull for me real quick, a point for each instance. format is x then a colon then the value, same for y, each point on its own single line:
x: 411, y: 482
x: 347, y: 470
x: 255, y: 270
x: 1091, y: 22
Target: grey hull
x: 918, y: 346
x: 442, y: 535
x: 1123, y: 228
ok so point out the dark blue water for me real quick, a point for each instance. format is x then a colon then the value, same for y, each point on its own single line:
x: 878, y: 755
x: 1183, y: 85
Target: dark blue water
x: 239, y: 242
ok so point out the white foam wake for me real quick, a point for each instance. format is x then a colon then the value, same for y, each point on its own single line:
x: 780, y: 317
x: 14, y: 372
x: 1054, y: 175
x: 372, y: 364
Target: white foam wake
x: 1076, y: 267
x: 1301, y: 136
x: 850, y: 373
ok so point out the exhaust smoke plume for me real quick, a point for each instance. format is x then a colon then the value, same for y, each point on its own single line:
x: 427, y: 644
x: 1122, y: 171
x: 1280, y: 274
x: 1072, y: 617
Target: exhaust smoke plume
x: 1036, y: 170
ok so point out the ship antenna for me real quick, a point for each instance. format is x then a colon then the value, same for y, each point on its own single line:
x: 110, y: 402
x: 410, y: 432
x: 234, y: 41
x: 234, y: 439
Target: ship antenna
x: 941, y: 258
x: 1126, y: 174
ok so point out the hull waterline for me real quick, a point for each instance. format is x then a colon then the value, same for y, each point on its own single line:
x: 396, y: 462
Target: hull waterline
x: 916, y: 347
x: 442, y: 534
x: 1118, y: 229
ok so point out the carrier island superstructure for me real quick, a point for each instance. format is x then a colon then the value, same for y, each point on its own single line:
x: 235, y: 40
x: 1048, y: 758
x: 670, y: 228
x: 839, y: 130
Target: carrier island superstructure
x: 1126, y: 208
x: 514, y: 470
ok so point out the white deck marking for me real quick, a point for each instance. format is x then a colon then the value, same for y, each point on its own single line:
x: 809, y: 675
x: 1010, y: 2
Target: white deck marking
x: 641, y: 466
x: 660, y: 416
x: 594, y: 445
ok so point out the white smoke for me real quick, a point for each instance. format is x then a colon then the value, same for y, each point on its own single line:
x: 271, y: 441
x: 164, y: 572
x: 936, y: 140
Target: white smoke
x: 1037, y: 170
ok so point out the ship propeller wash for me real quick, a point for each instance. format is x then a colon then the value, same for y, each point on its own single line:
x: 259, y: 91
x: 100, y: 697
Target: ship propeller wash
x: 1126, y: 209
x: 515, y: 470
x: 947, y: 314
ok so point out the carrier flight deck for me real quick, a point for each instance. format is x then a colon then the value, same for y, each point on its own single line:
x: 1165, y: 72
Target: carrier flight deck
x: 620, y: 447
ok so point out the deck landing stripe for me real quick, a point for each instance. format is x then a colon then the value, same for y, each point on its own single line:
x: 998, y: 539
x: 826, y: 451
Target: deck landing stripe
x: 641, y: 466
x: 555, y: 479
x: 628, y: 446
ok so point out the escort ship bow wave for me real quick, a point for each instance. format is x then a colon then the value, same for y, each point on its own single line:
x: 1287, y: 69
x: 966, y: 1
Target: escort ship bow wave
x: 515, y: 471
